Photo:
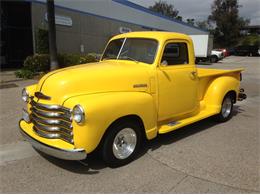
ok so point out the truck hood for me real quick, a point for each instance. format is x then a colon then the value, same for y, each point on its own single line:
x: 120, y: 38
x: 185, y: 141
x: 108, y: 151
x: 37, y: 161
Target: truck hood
x: 101, y: 77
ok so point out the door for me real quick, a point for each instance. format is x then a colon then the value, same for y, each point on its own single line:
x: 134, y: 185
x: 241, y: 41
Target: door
x: 177, y: 81
x: 16, y: 33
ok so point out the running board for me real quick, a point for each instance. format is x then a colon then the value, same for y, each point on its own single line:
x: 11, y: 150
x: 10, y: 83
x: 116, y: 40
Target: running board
x: 184, y: 122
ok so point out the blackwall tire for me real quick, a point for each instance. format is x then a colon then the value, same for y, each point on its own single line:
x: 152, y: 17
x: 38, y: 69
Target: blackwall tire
x: 213, y: 59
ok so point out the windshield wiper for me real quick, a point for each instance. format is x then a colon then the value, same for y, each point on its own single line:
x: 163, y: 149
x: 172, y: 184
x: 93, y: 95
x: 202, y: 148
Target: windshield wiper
x: 129, y: 58
x: 108, y: 59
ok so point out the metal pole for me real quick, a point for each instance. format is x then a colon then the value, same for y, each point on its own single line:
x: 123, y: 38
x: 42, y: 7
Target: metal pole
x: 52, y: 35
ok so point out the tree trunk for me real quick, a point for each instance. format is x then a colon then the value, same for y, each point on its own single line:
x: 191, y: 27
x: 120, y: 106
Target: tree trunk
x: 52, y: 35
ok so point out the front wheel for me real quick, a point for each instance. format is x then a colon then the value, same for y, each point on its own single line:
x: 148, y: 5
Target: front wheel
x: 213, y: 59
x: 121, y: 144
x: 226, y: 109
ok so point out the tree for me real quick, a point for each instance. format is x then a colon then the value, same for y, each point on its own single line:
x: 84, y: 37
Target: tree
x: 205, y: 25
x: 191, y: 21
x: 165, y: 9
x: 225, y: 15
x: 52, y: 35
x: 179, y: 18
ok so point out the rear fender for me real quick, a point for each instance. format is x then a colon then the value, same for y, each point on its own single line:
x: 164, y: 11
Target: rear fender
x: 218, y: 88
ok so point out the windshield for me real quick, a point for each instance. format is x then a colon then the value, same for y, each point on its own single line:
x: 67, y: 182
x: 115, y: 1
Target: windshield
x: 134, y: 49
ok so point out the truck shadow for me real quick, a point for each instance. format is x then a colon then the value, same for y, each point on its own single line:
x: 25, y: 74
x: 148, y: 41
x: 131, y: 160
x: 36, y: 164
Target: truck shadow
x: 93, y: 164
x: 189, y: 130
x: 89, y: 166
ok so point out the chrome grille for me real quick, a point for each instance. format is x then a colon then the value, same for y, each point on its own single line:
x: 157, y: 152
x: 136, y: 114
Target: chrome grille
x: 52, y: 121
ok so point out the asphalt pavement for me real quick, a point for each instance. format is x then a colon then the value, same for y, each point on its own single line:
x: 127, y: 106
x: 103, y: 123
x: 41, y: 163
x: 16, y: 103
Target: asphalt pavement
x: 205, y: 157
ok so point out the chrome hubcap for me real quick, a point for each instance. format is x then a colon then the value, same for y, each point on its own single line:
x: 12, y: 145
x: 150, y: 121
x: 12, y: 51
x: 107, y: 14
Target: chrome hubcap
x: 226, y: 107
x: 124, y: 143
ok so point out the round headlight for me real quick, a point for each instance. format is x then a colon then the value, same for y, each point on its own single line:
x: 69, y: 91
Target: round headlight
x: 25, y: 95
x: 78, y: 114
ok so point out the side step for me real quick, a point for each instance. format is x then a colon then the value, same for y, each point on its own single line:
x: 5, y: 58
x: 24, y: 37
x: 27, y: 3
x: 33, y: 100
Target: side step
x: 184, y: 122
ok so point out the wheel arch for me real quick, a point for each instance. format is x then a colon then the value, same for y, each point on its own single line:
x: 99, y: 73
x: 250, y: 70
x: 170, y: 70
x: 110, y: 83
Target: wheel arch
x: 219, y: 88
x: 214, y: 56
x: 130, y: 117
x: 233, y: 94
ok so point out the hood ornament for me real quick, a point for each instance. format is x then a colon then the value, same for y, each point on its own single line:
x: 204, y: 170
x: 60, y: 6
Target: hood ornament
x: 40, y: 95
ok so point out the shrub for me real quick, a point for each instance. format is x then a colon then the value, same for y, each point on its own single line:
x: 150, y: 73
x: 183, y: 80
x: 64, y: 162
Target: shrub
x: 42, y: 41
x: 37, y: 63
x: 95, y: 55
x: 246, y: 42
x: 41, y: 63
x: 250, y: 40
x: 24, y: 73
x: 66, y: 60
x: 257, y: 43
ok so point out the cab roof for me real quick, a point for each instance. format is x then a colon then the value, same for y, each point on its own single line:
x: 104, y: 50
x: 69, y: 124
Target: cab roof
x: 158, y: 35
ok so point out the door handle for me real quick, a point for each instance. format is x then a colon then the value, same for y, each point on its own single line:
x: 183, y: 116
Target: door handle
x: 194, y: 74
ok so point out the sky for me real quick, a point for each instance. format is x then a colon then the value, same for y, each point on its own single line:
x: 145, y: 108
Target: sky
x: 201, y: 9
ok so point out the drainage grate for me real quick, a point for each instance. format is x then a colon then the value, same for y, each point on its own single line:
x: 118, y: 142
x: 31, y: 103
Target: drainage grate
x: 10, y: 85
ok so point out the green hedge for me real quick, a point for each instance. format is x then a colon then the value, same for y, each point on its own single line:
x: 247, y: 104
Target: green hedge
x: 24, y: 73
x: 250, y: 40
x: 73, y: 59
x: 41, y: 63
x: 37, y: 63
x: 42, y: 41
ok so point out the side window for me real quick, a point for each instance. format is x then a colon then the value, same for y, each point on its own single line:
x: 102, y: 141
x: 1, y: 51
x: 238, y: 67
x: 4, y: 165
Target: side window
x: 175, y: 53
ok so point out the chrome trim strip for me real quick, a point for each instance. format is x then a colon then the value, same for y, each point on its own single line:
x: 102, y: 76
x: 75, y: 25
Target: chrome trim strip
x: 52, y: 135
x: 73, y: 154
x: 53, y: 129
x: 46, y: 135
x: 55, y: 115
x: 51, y: 121
x: 50, y: 107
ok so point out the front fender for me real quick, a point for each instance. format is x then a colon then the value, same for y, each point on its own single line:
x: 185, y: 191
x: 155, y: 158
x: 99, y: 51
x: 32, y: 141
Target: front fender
x: 31, y: 89
x: 218, y: 88
x: 102, y: 109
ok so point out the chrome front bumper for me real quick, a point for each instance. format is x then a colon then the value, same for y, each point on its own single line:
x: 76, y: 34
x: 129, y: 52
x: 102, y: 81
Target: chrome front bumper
x: 74, y: 154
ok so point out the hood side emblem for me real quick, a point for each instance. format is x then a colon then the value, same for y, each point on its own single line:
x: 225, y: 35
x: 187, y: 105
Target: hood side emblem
x: 42, y: 96
x: 140, y: 85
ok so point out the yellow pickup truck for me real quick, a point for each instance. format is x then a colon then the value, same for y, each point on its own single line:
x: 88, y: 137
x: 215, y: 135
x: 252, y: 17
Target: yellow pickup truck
x: 145, y: 84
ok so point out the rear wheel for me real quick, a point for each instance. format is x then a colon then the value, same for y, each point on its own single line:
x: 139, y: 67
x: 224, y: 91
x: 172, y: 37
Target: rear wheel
x: 122, y: 143
x: 226, y: 109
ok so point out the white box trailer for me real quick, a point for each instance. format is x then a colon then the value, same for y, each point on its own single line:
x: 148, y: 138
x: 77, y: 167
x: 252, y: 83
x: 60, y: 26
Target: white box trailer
x: 203, y: 45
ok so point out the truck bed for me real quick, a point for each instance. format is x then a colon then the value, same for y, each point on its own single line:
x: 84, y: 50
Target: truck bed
x: 203, y: 72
